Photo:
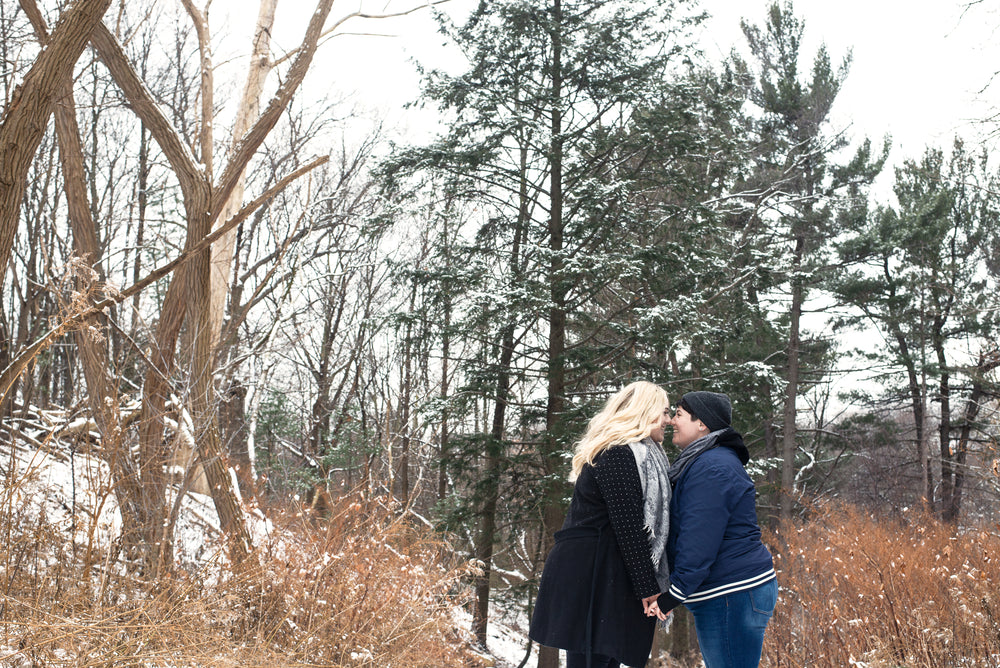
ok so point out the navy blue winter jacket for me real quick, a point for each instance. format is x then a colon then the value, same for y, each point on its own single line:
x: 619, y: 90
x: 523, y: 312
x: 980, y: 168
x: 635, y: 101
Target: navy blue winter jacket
x: 714, y: 545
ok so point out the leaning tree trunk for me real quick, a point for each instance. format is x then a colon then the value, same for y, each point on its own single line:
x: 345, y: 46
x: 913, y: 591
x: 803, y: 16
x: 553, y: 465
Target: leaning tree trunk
x: 102, y: 393
x: 25, y: 118
x: 188, y: 294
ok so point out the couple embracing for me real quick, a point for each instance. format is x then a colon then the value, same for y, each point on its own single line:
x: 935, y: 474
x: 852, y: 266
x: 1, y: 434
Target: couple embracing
x: 643, y: 536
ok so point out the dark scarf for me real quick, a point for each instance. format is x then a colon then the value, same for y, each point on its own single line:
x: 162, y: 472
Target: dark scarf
x: 691, y: 452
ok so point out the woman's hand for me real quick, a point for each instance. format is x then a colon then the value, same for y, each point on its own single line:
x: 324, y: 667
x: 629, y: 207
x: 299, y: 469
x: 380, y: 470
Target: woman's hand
x: 652, y: 608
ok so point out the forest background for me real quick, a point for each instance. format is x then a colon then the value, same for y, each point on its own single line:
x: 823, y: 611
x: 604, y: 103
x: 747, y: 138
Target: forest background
x: 219, y: 280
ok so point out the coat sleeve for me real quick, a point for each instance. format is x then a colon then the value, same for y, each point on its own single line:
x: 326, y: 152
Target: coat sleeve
x: 703, y: 510
x: 618, y: 479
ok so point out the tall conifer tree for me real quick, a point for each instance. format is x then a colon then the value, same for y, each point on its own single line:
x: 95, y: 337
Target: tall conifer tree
x: 544, y: 80
x: 797, y: 187
x: 920, y: 274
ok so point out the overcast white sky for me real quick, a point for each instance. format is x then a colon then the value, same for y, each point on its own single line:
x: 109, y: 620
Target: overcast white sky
x: 918, y: 66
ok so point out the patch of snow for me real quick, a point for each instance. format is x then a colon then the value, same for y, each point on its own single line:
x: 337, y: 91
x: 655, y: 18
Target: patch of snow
x: 507, y: 634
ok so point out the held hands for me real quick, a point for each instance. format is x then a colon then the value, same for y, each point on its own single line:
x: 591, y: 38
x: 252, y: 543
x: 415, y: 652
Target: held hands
x: 652, y: 609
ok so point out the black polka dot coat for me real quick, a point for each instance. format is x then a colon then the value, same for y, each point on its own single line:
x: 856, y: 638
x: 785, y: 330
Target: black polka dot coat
x: 600, y: 568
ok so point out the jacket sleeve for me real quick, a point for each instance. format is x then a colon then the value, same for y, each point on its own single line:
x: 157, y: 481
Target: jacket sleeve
x: 703, y: 509
x: 618, y: 479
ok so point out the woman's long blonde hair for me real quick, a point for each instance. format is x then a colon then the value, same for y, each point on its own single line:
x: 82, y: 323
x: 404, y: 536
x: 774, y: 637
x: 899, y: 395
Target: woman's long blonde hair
x: 626, y: 417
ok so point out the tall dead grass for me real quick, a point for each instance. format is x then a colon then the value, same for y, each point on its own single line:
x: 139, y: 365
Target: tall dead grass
x: 364, y: 587
x: 859, y: 592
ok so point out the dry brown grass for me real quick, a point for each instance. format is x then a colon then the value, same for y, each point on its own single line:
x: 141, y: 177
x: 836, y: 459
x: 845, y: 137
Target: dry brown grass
x: 886, y: 593
x: 362, y: 588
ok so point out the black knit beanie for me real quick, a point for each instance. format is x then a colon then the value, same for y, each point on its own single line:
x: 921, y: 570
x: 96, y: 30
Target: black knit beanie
x: 712, y: 408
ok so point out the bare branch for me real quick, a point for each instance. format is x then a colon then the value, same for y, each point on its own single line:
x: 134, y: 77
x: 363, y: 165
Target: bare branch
x: 23, y: 358
x: 329, y: 33
x: 141, y: 100
x: 200, y: 21
x: 249, y: 144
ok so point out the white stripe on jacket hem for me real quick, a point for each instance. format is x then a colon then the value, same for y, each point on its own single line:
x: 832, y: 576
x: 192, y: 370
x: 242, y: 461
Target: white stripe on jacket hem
x: 722, y: 590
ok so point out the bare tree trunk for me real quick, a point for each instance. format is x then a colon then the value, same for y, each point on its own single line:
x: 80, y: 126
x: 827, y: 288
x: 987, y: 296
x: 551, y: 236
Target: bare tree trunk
x: 790, y: 428
x: 334, y: 306
x: 210, y: 455
x: 951, y: 503
x: 552, y: 513
x: 102, y: 393
x: 25, y: 118
x: 486, y: 533
x: 405, y: 399
x: 947, y: 455
x: 444, y: 427
x: 233, y: 422
x: 917, y: 397
x: 443, y: 443
x: 223, y: 251
x: 156, y: 389
x: 142, y: 200
x: 771, y: 449
x: 333, y: 310
x: 6, y: 356
x: 94, y: 357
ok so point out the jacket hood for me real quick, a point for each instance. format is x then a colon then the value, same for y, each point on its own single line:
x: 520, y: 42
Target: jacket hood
x: 732, y: 439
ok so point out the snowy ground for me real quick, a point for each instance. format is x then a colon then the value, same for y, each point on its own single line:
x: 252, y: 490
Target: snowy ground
x: 508, y: 636
x: 54, y: 482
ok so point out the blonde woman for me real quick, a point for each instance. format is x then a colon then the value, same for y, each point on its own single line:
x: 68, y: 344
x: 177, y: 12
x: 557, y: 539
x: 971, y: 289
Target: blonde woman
x: 597, y: 596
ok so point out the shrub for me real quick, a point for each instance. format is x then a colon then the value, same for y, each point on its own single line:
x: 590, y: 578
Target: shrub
x: 907, y: 592
x: 363, y: 586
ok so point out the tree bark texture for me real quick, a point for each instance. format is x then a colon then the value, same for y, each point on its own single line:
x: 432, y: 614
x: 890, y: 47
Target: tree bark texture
x: 233, y: 420
x: 26, y: 117
x: 102, y: 392
x: 552, y: 513
x: 224, y: 250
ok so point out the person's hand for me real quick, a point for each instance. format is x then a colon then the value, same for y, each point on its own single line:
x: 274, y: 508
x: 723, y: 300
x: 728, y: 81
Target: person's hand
x: 652, y: 608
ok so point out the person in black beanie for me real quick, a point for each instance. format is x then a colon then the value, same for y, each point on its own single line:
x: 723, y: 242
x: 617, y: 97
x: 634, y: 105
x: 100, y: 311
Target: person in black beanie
x: 713, y: 409
x: 719, y: 568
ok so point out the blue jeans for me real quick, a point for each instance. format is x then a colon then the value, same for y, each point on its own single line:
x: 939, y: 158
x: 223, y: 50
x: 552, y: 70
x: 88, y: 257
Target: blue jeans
x: 731, y: 627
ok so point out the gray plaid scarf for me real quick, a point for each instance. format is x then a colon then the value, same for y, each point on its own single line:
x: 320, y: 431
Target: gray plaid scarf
x: 653, y: 466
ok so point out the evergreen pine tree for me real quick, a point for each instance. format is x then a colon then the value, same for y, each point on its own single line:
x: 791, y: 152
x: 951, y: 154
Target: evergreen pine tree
x: 920, y: 276
x: 546, y: 80
x: 796, y: 187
